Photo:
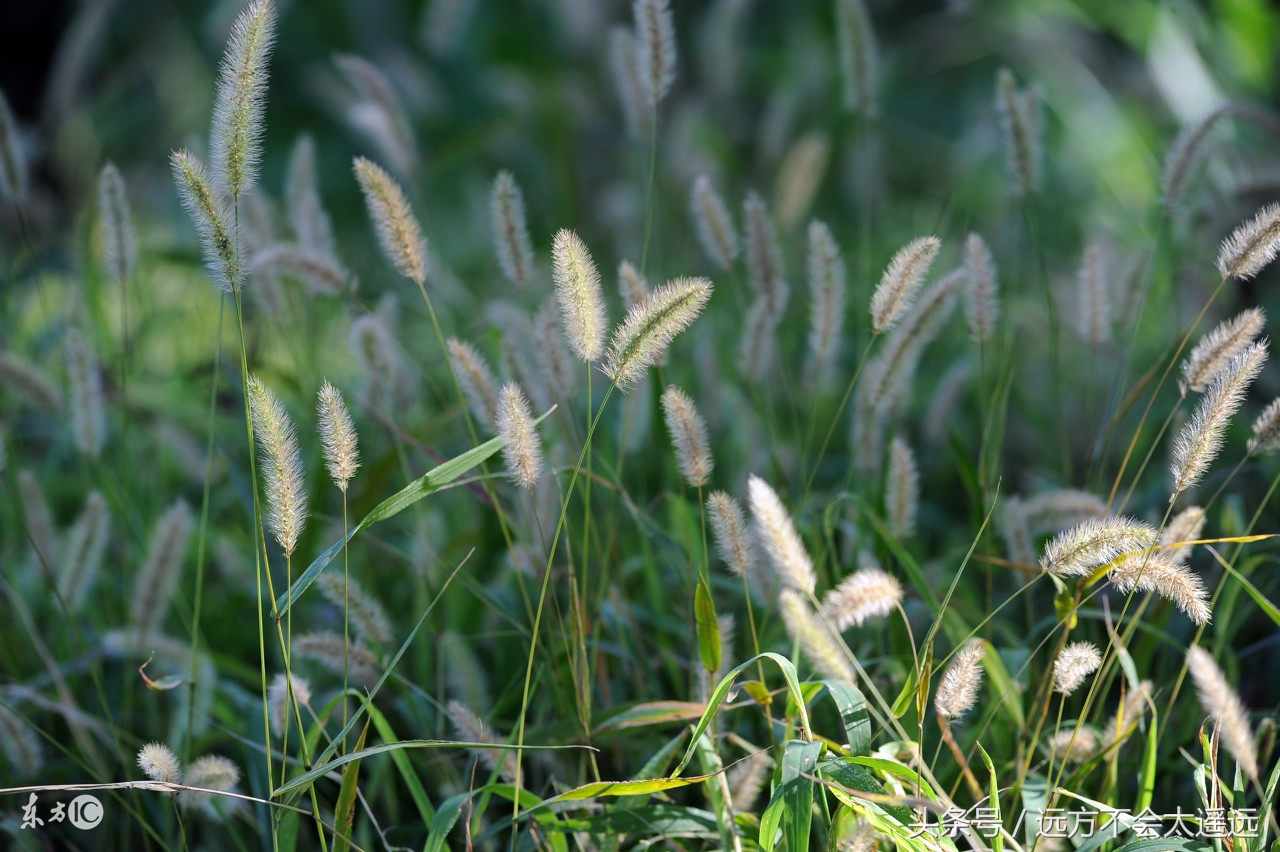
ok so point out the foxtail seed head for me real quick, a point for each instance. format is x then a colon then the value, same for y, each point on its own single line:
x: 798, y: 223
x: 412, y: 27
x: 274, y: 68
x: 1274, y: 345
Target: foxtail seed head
x: 867, y: 593
x: 1215, y: 350
x: 982, y: 304
x: 902, y: 278
x: 1200, y: 440
x: 241, y: 99
x: 522, y: 450
x: 655, y: 49
x: 213, y: 220
x: 1217, y: 698
x: 337, y: 436
x: 579, y: 294
x: 510, y: 231
x: 1252, y: 245
x: 960, y: 682
x: 121, y: 255
x: 715, y: 228
x: 650, y: 327
x: 282, y: 465
x: 398, y: 231
x: 1075, y: 663
x: 777, y: 533
x: 1093, y: 542
x: 689, y: 433
x: 158, y: 762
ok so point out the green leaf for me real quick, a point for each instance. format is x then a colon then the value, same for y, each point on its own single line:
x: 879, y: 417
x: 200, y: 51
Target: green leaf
x: 430, y: 482
x: 344, y: 810
x: 704, y: 609
x: 654, y: 767
x: 1147, y: 781
x: 853, y: 712
x: 656, y: 820
x: 997, y: 842
x: 842, y: 771
x: 1166, y: 844
x: 651, y: 713
x: 717, y: 792
x: 625, y: 788
x: 722, y: 690
x: 791, y: 806
x: 1010, y: 695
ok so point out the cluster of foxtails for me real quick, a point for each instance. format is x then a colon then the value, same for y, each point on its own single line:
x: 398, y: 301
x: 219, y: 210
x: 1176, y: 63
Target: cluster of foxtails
x: 1090, y: 543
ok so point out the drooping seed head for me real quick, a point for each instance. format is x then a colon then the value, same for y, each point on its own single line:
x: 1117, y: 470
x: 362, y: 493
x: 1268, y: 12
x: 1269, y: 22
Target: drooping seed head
x: 1251, y: 246
x: 281, y: 465
x: 1094, y: 542
x: 1217, y: 698
x: 158, y: 762
x: 337, y: 436
x: 241, y: 99
x: 817, y: 642
x: 319, y: 271
x: 522, y: 450
x: 1186, y: 152
x: 579, y: 294
x: 1200, y: 440
x: 764, y: 258
x: 641, y: 338
x: 1215, y: 350
x: 30, y: 381
x: 896, y: 292
x: 210, y: 772
x: 213, y: 220
x: 1163, y: 573
x: 120, y: 242
x: 1075, y: 663
x: 689, y: 434
x: 777, y: 533
x: 398, y: 231
x: 1184, y: 526
x: 960, y: 681
x: 1072, y: 745
x: 865, y: 594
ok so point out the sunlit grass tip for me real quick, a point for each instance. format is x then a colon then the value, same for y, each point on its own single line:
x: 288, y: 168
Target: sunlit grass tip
x: 1251, y: 246
x: 868, y: 593
x: 236, y: 137
x: 689, y: 434
x: 901, y: 281
x: 398, y: 230
x: 776, y: 532
x: 641, y: 338
x: 1094, y: 542
x: 1217, y: 698
x: 1215, y: 350
x: 158, y: 762
x: 961, y: 681
x: 579, y: 295
x: 281, y: 465
x: 1075, y: 663
x: 521, y: 450
x: 214, y: 221
x: 655, y: 49
x: 476, y: 379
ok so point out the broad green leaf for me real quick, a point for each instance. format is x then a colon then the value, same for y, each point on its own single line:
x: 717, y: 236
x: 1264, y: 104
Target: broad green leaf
x: 853, y: 712
x: 704, y: 609
x: 625, y: 788
x: 790, y: 809
x: 717, y: 792
x: 656, y: 820
x: 840, y: 770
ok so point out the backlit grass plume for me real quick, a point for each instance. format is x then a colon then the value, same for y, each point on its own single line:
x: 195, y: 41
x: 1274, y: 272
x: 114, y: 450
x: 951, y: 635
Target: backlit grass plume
x: 210, y: 772
x: 317, y: 270
x: 631, y: 285
x: 367, y: 615
x: 960, y: 681
x: 281, y: 465
x: 158, y: 762
x: 1093, y: 542
x: 1184, y: 526
x: 1220, y: 700
x: 510, y: 231
x: 236, y: 137
x: 1215, y: 351
x: 1200, y: 440
x: 655, y: 49
x: 1186, y: 152
x: 777, y: 534
x: 1162, y: 572
x: 1251, y: 246
x: 816, y: 641
x: 1266, y: 430
x: 329, y: 649
x: 337, y: 436
x: 214, y: 221
x: 119, y: 241
x: 650, y: 327
x: 897, y: 290
x: 689, y: 434
x: 1075, y: 663
x: 729, y: 528
x: 715, y: 228
x: 579, y: 295
x: 398, y: 231
x: 867, y: 593
x: 522, y: 450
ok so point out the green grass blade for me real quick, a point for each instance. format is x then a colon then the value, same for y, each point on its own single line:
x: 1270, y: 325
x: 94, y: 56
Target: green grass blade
x: 853, y: 712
